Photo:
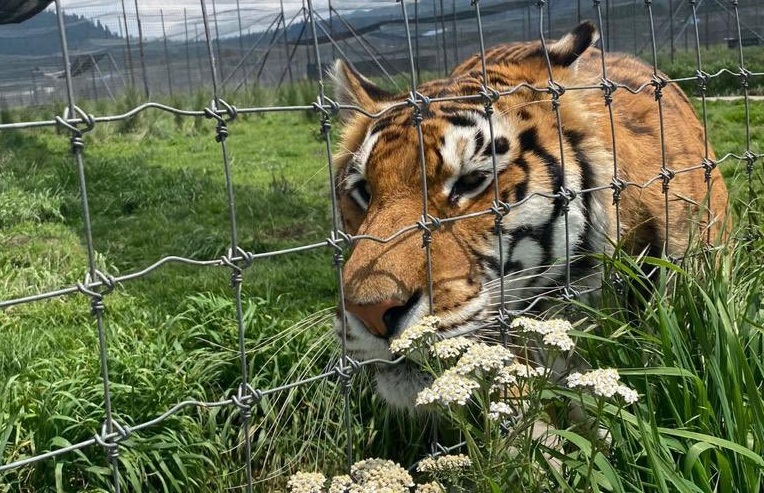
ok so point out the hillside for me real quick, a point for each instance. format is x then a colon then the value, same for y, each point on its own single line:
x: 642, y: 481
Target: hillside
x: 15, y: 39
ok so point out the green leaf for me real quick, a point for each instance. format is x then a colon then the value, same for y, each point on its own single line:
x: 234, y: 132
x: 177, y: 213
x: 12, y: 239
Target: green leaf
x: 719, y: 442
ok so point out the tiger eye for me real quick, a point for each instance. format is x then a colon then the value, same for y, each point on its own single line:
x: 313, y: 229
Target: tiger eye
x: 469, y: 183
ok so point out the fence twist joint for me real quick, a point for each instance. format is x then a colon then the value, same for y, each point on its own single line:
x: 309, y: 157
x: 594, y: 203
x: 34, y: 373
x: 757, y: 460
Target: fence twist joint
x: 745, y: 76
x: 566, y: 196
x: 335, y: 242
x: 489, y: 96
x: 246, y: 397
x: 708, y: 167
x: 110, y: 440
x: 666, y: 175
x: 702, y: 80
x: 658, y: 83
x: 421, y: 105
x: 326, y: 106
x: 618, y: 186
x: 345, y: 369
x: 96, y: 297
x: 428, y: 225
x: 750, y: 159
x: 608, y: 88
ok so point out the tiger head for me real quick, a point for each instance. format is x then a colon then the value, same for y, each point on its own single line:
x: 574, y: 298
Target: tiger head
x: 390, y: 172
x: 379, y: 182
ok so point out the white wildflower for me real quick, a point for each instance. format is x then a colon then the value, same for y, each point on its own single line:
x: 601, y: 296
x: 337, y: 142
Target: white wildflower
x: 485, y: 357
x: 604, y: 383
x: 629, y: 396
x: 340, y: 484
x: 306, y: 482
x: 404, y: 343
x: 451, y: 348
x: 431, y: 487
x: 508, y: 375
x: 444, y: 463
x: 451, y: 387
x: 505, y: 376
x: 553, y: 332
x: 379, y: 475
x: 524, y: 370
x: 497, y: 411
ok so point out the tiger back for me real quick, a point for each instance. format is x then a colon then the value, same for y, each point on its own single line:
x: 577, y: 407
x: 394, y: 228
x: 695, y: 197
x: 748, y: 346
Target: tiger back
x: 556, y: 182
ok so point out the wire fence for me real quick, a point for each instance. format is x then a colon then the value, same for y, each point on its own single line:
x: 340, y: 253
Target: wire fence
x: 97, y: 284
x: 161, y: 51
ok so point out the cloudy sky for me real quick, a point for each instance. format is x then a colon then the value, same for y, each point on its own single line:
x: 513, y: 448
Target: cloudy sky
x: 256, y: 15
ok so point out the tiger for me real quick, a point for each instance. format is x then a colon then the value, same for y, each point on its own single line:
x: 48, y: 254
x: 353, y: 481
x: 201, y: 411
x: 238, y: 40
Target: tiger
x: 552, y: 231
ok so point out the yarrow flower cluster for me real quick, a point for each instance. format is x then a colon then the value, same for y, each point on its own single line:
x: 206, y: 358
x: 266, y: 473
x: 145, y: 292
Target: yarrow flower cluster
x: 340, y: 484
x: 497, y: 411
x: 604, y: 383
x: 431, y: 487
x: 366, y: 476
x: 444, y: 464
x: 306, y: 482
x: 480, y: 362
x: 451, y: 387
x: 483, y: 357
x: 451, y: 348
x: 380, y: 475
x: 553, y: 332
x: 426, y: 327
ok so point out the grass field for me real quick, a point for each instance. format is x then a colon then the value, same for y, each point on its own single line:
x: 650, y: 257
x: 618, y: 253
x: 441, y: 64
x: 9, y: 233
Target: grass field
x: 157, y: 188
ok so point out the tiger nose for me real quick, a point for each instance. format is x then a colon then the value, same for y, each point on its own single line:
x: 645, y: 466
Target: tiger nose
x: 379, y: 318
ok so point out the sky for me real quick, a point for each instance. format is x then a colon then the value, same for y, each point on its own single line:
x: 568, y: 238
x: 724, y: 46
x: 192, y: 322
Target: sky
x: 256, y: 15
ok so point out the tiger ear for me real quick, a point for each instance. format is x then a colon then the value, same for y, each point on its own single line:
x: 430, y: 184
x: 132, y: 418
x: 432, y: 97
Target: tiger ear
x: 352, y: 88
x: 567, y: 49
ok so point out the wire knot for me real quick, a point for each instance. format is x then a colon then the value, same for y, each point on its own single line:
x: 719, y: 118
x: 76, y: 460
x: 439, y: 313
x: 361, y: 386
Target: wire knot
x: 618, y: 282
x: 702, y: 79
x: 489, y: 96
x: 569, y: 293
x: 555, y: 89
x: 110, y: 440
x: 78, y: 144
x: 222, y: 132
x: 618, y: 186
x: 745, y: 76
x: 246, y: 397
x: 608, y: 88
x: 329, y: 108
x: 566, y: 196
x: 708, y: 167
x: 237, y: 261
x: 88, y: 120
x: 667, y: 175
x: 500, y: 209
x: 429, y: 225
x: 96, y: 303
x: 750, y: 159
x: 658, y: 84
x: 345, y: 369
x: 336, y: 241
x: 420, y: 103
x: 214, y: 112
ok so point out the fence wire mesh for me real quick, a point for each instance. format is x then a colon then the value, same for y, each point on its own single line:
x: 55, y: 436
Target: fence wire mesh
x: 97, y: 285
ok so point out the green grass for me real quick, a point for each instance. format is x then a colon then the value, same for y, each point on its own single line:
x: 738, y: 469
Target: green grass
x: 713, y: 60
x: 156, y: 188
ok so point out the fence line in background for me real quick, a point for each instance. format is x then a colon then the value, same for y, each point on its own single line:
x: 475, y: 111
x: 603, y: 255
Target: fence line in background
x: 141, y: 48
x: 97, y: 285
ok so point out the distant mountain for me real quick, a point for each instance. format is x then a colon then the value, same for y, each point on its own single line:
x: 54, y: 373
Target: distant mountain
x: 39, y: 35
